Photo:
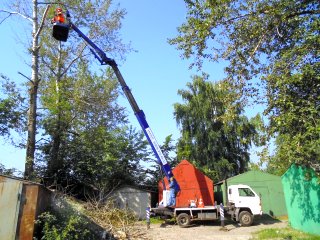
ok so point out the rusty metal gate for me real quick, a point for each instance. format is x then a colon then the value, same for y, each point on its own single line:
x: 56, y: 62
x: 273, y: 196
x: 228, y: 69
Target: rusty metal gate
x: 10, y: 192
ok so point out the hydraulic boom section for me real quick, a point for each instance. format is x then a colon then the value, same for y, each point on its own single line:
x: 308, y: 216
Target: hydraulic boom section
x: 60, y: 32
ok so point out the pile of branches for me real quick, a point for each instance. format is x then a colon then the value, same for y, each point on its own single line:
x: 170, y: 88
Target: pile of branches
x: 119, y: 222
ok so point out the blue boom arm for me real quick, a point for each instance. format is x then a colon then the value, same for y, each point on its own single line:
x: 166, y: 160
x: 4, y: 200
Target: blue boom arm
x: 104, y: 60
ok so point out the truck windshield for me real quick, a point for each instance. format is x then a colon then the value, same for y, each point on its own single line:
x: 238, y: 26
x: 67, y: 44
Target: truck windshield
x: 245, y: 192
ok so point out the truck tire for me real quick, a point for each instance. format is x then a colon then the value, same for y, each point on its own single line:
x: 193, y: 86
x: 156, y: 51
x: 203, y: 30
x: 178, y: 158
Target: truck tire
x: 245, y: 218
x: 183, y: 220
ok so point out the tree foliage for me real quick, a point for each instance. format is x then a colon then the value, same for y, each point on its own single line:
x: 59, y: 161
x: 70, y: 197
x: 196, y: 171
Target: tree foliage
x: 272, y: 49
x: 251, y: 34
x: 9, y: 171
x: 218, y: 145
x: 70, y: 226
x: 154, y: 171
x: 295, y: 119
x: 89, y: 143
x: 83, y: 141
x: 11, y: 107
x: 51, y: 59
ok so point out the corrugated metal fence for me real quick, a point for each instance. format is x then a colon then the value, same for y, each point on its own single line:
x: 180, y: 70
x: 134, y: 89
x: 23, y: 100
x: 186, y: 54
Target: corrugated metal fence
x: 20, y: 204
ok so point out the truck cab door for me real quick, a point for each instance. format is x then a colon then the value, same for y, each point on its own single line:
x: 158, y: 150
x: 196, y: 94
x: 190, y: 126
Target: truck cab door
x: 244, y: 197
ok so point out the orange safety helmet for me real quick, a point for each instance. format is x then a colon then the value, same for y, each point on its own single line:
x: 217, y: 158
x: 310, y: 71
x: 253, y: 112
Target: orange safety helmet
x: 59, y: 10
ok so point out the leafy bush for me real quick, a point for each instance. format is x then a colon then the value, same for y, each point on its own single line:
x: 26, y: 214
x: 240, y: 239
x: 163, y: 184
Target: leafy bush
x: 55, y: 227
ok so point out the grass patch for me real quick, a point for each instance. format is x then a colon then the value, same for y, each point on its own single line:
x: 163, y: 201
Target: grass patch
x: 156, y: 220
x: 283, y: 233
x: 159, y: 220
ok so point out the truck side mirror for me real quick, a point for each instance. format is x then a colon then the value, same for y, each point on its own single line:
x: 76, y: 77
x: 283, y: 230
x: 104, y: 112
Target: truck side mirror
x: 60, y: 31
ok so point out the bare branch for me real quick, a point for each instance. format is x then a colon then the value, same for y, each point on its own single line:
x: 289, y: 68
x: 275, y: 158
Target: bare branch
x: 69, y: 65
x: 266, y: 12
x: 5, y: 18
x: 280, y: 35
x: 256, y: 48
x: 74, y: 60
x: 307, y: 12
x: 49, y: 66
x: 14, y: 13
x: 25, y: 76
x: 73, y: 133
x: 42, y: 21
x: 236, y: 18
x: 245, y: 15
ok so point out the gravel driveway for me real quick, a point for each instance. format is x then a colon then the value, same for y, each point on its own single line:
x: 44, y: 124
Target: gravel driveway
x: 207, y: 230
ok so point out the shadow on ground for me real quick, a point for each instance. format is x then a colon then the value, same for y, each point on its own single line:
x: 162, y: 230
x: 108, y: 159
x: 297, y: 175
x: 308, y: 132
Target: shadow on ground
x: 265, y: 219
x: 258, y: 220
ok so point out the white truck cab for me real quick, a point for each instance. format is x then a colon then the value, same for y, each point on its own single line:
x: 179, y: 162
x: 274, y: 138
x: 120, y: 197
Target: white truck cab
x: 243, y: 203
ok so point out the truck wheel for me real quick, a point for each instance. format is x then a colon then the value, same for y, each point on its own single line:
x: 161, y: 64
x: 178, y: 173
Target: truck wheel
x: 245, y: 218
x: 183, y: 220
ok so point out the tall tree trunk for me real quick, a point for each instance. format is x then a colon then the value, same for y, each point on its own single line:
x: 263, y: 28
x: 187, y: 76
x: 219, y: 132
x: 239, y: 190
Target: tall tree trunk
x: 55, y: 162
x: 33, y: 95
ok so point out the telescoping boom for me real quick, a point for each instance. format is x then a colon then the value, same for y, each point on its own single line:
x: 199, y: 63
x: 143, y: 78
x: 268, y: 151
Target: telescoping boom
x: 60, y: 32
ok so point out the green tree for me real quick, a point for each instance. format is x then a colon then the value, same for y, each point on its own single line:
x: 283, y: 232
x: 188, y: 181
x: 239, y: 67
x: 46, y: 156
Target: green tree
x: 74, y: 96
x: 272, y: 51
x: 154, y: 171
x: 295, y: 119
x: 8, y: 171
x: 11, y: 108
x: 96, y: 148
x: 218, y: 145
x: 54, y: 60
x: 97, y: 160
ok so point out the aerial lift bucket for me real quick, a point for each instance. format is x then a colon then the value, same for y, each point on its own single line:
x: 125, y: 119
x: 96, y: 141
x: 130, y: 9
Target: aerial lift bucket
x: 60, y: 31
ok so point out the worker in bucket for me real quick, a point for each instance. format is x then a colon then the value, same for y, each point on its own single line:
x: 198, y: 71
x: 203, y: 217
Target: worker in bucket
x: 172, y: 195
x: 58, y: 16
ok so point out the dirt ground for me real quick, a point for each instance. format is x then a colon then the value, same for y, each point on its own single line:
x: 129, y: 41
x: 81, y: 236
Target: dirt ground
x: 207, y: 230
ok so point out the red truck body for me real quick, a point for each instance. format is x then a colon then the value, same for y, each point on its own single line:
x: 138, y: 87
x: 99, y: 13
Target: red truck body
x: 193, y: 184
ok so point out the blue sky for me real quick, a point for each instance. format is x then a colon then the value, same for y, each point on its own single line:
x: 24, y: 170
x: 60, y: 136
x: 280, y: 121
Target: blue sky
x: 155, y: 72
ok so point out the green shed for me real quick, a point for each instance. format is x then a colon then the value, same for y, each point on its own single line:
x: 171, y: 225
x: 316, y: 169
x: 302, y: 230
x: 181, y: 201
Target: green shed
x: 268, y: 186
x: 302, y: 196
